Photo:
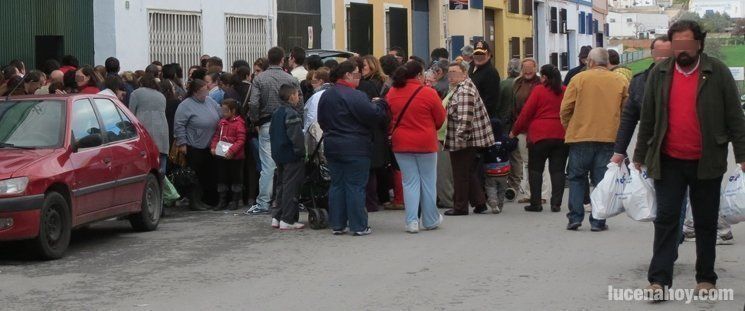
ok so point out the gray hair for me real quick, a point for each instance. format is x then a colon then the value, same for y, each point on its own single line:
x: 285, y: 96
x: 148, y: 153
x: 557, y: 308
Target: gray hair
x: 599, y: 56
x: 466, y: 50
x: 513, y: 67
x: 440, y: 65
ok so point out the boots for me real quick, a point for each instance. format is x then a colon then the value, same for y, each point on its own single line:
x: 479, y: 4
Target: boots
x: 195, y: 200
x: 235, y: 204
x: 223, y: 203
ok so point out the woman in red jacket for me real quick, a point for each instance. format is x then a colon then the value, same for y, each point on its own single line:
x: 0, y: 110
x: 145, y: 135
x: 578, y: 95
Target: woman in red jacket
x: 416, y: 114
x: 87, y: 80
x: 540, y: 119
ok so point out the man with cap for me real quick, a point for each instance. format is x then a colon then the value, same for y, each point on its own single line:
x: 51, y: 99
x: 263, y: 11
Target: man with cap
x: 486, y: 77
x: 583, y: 52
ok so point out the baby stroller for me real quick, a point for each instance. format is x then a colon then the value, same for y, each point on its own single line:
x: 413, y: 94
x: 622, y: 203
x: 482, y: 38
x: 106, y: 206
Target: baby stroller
x: 314, y: 192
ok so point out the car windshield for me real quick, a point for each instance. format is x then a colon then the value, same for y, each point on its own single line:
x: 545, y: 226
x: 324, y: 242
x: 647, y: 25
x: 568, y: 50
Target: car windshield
x: 31, y: 124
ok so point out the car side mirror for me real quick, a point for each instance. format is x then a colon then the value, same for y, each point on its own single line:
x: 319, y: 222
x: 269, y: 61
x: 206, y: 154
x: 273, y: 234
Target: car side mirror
x: 90, y: 141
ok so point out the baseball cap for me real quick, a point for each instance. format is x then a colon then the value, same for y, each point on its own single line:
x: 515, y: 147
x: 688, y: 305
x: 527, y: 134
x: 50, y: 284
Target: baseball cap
x: 481, y: 48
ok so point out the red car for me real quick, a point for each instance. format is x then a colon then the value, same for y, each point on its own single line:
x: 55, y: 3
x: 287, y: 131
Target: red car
x: 67, y: 161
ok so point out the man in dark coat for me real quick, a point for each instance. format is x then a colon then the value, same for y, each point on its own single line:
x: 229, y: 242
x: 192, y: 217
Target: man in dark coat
x: 583, y: 52
x: 486, y: 77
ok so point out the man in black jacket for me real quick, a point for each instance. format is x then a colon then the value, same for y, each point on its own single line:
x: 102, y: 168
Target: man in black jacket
x: 661, y: 50
x: 583, y: 52
x: 486, y: 77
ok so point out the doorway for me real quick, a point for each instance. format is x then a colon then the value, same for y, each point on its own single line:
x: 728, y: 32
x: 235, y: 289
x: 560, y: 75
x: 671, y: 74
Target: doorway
x: 397, y: 30
x: 420, y: 28
x: 360, y: 28
x: 48, y: 47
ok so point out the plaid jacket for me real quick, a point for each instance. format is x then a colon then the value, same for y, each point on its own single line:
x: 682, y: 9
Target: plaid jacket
x: 468, y: 121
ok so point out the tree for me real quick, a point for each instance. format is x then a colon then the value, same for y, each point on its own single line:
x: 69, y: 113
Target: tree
x: 739, y: 29
x: 716, y: 22
x: 689, y: 16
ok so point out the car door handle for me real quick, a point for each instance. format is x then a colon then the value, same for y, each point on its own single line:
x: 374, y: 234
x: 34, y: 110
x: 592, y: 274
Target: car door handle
x: 107, y: 160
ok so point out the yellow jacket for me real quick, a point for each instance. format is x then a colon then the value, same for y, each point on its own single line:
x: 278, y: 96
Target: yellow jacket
x: 624, y: 71
x: 591, y: 109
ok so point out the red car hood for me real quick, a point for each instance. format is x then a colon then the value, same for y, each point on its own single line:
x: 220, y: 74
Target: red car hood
x: 11, y: 160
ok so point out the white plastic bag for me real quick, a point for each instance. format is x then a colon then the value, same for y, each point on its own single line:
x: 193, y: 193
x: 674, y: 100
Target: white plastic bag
x: 732, y: 203
x: 606, y: 197
x: 639, y: 199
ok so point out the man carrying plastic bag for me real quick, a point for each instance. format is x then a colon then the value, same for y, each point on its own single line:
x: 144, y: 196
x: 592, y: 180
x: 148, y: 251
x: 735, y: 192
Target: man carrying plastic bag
x: 639, y: 197
x: 689, y: 114
x: 606, y: 197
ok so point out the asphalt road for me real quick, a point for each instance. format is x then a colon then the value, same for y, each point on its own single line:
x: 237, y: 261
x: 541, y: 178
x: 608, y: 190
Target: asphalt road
x: 218, y: 261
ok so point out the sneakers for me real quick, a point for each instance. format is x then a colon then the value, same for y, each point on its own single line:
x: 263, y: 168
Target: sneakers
x: 367, y: 231
x: 573, y: 226
x: 412, y: 227
x: 340, y: 231
x: 726, y: 239
x: 436, y: 225
x: 285, y: 226
x: 496, y: 208
x: 599, y: 228
x: 275, y: 223
x: 479, y: 209
x: 256, y: 210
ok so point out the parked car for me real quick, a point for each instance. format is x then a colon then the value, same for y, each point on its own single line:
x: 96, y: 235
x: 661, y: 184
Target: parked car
x: 70, y: 160
x: 326, y: 54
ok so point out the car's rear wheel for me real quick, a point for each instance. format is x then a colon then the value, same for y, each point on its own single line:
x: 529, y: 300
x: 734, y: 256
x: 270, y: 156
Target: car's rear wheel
x: 54, y: 227
x: 152, y: 206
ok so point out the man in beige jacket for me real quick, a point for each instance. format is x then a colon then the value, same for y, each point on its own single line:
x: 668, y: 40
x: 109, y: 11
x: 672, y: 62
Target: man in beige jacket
x: 591, y: 113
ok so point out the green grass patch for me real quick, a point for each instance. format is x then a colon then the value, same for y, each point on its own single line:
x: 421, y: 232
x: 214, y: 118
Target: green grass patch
x: 640, y: 65
x: 734, y: 55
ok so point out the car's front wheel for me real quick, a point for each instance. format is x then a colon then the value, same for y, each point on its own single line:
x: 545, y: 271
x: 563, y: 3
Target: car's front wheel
x: 152, y: 205
x: 54, y: 227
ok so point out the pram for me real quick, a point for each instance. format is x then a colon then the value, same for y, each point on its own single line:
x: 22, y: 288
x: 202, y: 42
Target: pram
x: 314, y: 192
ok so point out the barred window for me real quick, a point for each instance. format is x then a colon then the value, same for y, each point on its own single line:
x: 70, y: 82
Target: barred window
x: 528, y: 47
x: 246, y: 38
x: 175, y: 37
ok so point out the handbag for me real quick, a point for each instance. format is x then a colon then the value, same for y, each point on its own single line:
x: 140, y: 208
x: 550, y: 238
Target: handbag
x: 222, y: 148
x: 394, y: 163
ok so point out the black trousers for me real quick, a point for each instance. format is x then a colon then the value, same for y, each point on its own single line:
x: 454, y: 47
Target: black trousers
x: 467, y: 182
x: 556, y: 152
x: 290, y: 178
x: 229, y: 175
x: 203, y: 164
x: 677, y: 176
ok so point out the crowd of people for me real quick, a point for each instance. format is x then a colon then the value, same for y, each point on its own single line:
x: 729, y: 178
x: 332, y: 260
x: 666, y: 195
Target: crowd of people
x: 398, y: 133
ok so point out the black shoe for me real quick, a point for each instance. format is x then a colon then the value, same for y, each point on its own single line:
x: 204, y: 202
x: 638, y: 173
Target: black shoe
x: 555, y: 208
x: 223, y: 203
x: 236, y: 203
x: 479, y: 209
x: 599, y: 228
x: 532, y: 208
x: 573, y: 226
x: 453, y: 212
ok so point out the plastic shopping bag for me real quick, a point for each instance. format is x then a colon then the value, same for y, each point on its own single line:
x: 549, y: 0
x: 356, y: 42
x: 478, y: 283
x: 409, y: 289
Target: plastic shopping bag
x: 170, y: 194
x: 606, y: 198
x: 639, y: 199
x: 732, y: 203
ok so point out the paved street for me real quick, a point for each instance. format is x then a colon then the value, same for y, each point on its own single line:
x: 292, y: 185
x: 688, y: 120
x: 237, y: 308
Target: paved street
x: 216, y: 261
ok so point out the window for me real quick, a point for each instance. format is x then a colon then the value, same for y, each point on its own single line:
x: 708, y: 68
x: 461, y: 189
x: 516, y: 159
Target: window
x: 595, y: 26
x: 588, y: 24
x: 175, y: 37
x: 528, y: 47
x: 84, y: 122
x: 515, y: 47
x: 564, y: 61
x: 555, y: 59
x: 554, y: 28
x: 612, y: 20
x: 246, y: 38
x: 581, y: 22
x: 563, y: 21
x: 514, y: 6
x: 528, y: 7
x: 118, y: 126
x: 629, y: 20
x: 32, y: 123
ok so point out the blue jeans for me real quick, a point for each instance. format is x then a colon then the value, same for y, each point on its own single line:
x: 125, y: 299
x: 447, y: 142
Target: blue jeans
x: 584, y: 158
x: 266, y: 179
x: 349, y: 176
x: 419, y: 172
x: 254, y: 147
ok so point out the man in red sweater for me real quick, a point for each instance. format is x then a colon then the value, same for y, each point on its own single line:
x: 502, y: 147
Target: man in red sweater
x: 690, y: 113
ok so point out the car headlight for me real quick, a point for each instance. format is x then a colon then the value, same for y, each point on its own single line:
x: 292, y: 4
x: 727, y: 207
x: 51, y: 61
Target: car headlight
x: 13, y: 186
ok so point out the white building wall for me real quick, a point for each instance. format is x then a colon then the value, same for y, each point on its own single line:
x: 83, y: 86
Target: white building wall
x: 734, y: 8
x: 631, y: 3
x: 620, y: 26
x: 129, y: 41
